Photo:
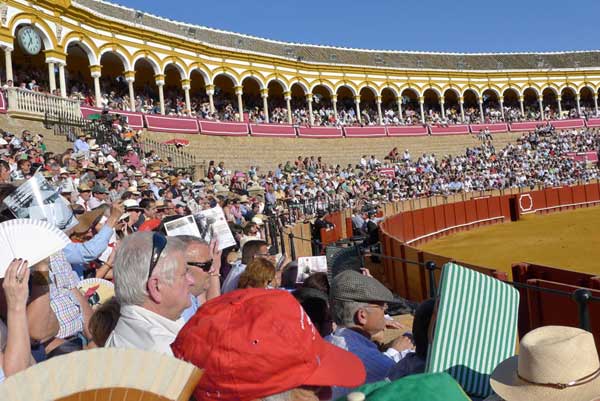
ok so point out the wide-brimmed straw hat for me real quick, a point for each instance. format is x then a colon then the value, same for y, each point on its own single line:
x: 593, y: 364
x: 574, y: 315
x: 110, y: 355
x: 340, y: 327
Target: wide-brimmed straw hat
x: 555, y: 363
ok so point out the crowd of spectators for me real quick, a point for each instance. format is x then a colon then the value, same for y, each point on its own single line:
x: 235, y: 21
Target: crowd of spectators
x: 321, y: 338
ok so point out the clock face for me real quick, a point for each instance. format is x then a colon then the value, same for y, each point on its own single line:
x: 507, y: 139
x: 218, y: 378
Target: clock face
x: 30, y: 40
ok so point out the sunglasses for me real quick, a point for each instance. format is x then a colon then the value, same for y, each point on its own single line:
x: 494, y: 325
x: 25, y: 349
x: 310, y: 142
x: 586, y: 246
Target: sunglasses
x: 159, y: 243
x: 205, y: 266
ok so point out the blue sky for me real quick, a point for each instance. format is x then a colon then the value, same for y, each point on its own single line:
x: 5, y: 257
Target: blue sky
x: 434, y: 25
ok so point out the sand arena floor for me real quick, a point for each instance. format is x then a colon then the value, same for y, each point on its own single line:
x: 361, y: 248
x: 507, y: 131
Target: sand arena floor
x: 569, y: 240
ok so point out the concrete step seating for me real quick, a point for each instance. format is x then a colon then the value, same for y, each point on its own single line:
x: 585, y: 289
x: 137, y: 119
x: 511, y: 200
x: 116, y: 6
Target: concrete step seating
x: 242, y: 152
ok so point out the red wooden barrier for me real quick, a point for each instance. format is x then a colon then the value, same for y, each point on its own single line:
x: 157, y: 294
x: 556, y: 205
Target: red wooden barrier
x: 545, y: 308
x: 408, y: 226
x: 429, y: 220
x: 552, y: 197
x: 440, y: 220
x: 449, y: 215
x: 592, y: 192
x: 483, y: 212
x: 470, y: 211
x: 459, y: 213
x: 565, y: 196
x: 578, y: 194
x: 418, y: 223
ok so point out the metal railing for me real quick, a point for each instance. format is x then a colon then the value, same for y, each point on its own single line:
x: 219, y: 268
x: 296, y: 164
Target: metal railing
x: 177, y: 157
x: 28, y: 102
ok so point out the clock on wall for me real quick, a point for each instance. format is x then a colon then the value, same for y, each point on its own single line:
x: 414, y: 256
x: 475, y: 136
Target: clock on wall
x: 29, y: 40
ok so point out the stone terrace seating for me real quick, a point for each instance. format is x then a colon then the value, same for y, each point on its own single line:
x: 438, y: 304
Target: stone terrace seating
x: 242, y: 152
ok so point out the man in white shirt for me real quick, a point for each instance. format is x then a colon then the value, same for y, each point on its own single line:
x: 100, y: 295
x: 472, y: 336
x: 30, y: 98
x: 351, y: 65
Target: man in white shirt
x: 152, y: 285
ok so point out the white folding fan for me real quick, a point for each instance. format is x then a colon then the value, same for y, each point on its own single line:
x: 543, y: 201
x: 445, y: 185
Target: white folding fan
x: 107, y: 374
x: 31, y: 240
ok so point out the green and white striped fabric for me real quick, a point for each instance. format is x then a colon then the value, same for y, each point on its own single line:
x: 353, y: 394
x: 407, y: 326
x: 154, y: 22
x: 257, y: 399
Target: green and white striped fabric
x: 475, y: 329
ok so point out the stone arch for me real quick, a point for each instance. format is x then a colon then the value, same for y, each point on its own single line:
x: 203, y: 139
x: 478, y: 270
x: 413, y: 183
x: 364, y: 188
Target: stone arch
x: 202, y: 70
x: 280, y: 80
x: 391, y: 87
x: 550, y: 102
x: 177, y: 63
x: 346, y: 85
x: 452, y: 104
x: 38, y: 24
x: 300, y: 82
x: 253, y: 78
x: 254, y: 75
x: 586, y: 95
x: 511, y: 97
x: 226, y: 72
x: 85, y: 44
x: 118, y: 51
x: 325, y: 84
x: 150, y: 58
x: 370, y: 85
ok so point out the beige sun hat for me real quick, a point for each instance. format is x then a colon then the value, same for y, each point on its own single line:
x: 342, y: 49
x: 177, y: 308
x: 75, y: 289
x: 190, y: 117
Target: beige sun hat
x: 555, y: 363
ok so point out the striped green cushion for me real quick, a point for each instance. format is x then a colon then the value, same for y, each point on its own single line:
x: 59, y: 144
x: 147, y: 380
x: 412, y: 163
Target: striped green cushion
x: 476, y: 327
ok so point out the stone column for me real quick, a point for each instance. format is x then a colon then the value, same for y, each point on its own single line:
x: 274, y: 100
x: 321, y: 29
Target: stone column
x: 160, y: 83
x: 442, y: 104
x: 596, y: 103
x: 541, y: 103
x: 481, y: 111
x: 309, y: 100
x: 501, y: 101
x: 399, y: 100
x: 8, y: 65
x: 210, y: 91
x: 130, y: 78
x: 334, y: 104
x: 422, y: 108
x: 239, y: 90
x: 287, y: 95
x: 522, y: 104
x: 186, y: 86
x: 559, y: 101
x: 61, y: 78
x: 265, y: 97
x: 578, y: 100
x: 357, y: 103
x: 379, y: 114
x: 461, y: 102
x: 95, y: 71
x: 51, y: 76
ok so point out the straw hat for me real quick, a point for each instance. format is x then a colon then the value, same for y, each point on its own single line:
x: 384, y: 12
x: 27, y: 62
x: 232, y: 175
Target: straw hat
x: 555, y: 363
x: 89, y: 219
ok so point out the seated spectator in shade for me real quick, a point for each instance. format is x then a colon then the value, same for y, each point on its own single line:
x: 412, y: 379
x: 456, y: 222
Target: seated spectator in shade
x: 316, y: 305
x: 283, y: 356
x: 152, y: 285
x: 555, y: 363
x: 104, y: 320
x: 414, y: 362
x: 260, y: 273
x: 250, y: 250
x: 359, y: 303
x: 318, y: 281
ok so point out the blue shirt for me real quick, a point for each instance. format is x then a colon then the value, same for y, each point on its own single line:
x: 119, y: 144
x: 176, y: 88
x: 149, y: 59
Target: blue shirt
x: 187, y: 314
x: 233, y: 278
x: 78, y: 254
x: 377, y: 364
x: 81, y: 146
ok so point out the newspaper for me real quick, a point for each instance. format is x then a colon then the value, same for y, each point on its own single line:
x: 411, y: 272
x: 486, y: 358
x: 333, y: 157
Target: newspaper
x: 212, y: 224
x: 33, y: 199
x: 309, y: 265
x: 183, y: 226
x: 207, y: 224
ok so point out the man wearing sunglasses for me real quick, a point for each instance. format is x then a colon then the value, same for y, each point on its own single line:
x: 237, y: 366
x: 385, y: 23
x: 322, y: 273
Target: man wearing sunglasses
x: 204, y: 262
x: 152, y: 284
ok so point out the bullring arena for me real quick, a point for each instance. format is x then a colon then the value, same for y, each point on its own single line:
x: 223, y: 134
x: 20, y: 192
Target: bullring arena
x: 421, y: 167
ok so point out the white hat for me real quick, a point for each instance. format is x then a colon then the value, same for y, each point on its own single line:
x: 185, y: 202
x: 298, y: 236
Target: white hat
x: 555, y: 363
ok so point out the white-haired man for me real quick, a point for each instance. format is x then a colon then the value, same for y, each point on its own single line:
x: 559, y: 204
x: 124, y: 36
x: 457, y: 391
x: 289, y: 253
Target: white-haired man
x: 152, y: 284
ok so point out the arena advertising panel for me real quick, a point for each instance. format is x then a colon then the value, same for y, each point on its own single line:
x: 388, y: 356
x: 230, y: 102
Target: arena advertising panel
x: 177, y: 125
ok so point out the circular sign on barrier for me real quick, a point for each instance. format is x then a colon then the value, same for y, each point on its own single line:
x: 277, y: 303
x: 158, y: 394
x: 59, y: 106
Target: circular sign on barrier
x: 526, y: 202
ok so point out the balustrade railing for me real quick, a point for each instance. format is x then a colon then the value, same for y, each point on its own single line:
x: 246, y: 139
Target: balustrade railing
x: 39, y: 104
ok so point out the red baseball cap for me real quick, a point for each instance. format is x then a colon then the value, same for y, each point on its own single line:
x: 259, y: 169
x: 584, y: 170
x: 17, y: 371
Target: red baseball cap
x: 254, y: 343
